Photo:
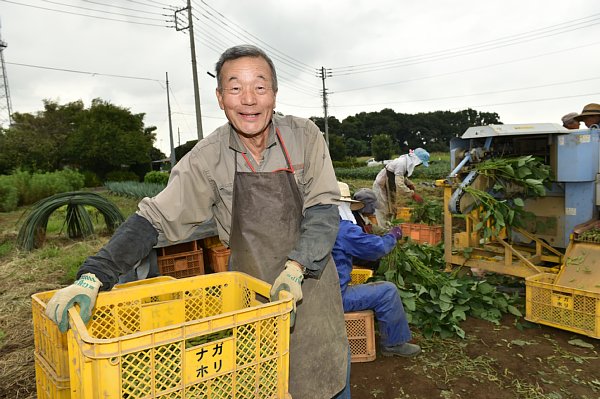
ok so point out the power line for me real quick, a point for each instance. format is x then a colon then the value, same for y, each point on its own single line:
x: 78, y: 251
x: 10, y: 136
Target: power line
x: 472, y: 48
x: 123, y: 8
x: 572, y: 48
x: 223, y: 17
x: 83, y: 15
x: 477, y: 94
x: 104, y: 12
x: 537, y: 100
x: 163, y: 7
x: 84, y: 72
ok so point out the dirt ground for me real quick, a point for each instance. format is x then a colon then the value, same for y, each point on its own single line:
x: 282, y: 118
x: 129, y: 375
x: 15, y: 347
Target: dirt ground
x: 499, y: 362
x: 495, y: 362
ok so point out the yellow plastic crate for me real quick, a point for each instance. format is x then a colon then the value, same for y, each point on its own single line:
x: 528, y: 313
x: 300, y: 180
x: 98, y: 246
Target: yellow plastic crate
x: 359, y: 275
x: 49, y: 343
x: 48, y: 384
x: 561, y: 307
x: 214, y: 336
x: 360, y: 328
x: 403, y: 213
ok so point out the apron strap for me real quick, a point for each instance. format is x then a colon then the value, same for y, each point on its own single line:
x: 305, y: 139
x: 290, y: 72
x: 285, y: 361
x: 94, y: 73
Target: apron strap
x: 286, y: 155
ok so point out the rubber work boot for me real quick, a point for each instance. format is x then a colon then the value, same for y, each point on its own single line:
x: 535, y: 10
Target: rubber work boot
x: 403, y: 350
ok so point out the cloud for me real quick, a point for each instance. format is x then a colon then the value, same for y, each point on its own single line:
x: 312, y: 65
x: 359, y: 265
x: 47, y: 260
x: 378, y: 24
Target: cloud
x: 520, y: 59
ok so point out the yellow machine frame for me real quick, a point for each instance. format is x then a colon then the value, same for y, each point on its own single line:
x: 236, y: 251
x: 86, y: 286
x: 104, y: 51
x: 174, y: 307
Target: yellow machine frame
x: 496, y: 254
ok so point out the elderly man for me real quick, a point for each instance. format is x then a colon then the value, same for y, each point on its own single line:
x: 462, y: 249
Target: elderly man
x: 590, y: 115
x: 269, y: 183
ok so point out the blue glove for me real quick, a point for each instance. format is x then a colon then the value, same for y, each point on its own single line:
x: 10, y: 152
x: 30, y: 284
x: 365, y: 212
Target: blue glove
x: 396, y: 232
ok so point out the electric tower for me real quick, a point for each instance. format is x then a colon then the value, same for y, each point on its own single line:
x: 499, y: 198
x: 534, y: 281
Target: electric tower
x: 5, y: 107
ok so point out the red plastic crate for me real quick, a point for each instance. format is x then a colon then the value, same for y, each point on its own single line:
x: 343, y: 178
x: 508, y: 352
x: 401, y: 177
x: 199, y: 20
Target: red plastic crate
x: 422, y: 233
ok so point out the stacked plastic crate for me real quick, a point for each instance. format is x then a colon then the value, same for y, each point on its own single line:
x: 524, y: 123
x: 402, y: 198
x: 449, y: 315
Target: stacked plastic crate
x: 181, y: 260
x: 216, y: 254
x: 360, y: 326
x: 203, y: 336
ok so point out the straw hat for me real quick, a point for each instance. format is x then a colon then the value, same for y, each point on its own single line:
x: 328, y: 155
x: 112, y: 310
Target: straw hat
x: 592, y: 109
x: 345, y: 197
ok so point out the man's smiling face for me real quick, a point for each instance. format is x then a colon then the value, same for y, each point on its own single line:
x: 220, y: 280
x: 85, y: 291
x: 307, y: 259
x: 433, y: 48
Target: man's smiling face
x: 246, y: 95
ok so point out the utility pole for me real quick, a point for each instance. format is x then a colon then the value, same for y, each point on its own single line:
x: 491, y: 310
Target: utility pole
x: 324, y: 73
x: 173, y: 160
x: 190, y: 26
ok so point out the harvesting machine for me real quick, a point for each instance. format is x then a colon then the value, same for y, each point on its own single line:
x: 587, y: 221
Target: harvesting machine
x: 561, y: 269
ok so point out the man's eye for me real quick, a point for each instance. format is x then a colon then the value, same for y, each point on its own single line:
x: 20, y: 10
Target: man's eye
x: 260, y: 89
x: 235, y: 90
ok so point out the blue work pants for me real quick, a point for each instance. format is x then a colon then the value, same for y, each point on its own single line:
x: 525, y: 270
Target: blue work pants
x: 382, y: 298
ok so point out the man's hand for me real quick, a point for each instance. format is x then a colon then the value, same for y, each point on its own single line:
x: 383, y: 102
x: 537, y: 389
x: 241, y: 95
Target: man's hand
x: 417, y: 198
x: 83, y: 292
x: 411, y: 187
x: 289, y: 280
x: 396, y: 232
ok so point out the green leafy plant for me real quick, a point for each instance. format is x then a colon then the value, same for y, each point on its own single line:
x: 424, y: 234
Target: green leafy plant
x: 134, y: 189
x: 428, y: 212
x: 157, y: 177
x: 512, y: 179
x: 436, y: 301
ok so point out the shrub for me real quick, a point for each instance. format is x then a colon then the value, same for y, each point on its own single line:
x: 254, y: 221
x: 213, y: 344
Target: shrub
x: 9, y: 196
x: 436, y: 170
x: 21, y: 180
x: 91, y: 179
x: 42, y: 185
x: 364, y: 173
x: 121, y: 175
x: 157, y: 177
x: 348, y: 163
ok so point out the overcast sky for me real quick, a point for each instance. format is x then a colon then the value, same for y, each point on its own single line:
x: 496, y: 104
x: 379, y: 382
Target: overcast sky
x: 528, y: 60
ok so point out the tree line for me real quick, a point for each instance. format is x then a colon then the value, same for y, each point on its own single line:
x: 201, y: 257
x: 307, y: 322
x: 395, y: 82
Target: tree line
x: 105, y: 137
x: 100, y: 139
x: 384, y: 133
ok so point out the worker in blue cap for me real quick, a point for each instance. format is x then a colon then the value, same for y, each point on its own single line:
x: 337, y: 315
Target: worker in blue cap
x: 393, y: 180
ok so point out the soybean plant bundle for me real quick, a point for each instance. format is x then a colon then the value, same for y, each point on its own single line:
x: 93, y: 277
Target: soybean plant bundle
x: 513, y: 179
x: 435, y: 301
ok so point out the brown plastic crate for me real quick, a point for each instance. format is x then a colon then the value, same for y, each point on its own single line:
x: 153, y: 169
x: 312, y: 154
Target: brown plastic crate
x: 210, y: 242
x: 422, y: 233
x: 185, y: 264
x: 180, y: 248
x: 219, y: 258
x: 360, y: 328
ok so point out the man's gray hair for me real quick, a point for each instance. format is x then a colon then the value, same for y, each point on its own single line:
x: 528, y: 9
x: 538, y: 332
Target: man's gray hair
x: 244, y: 50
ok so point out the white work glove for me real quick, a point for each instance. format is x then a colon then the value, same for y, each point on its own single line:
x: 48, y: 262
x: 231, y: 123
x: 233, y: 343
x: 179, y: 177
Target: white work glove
x: 289, y: 280
x: 83, y: 291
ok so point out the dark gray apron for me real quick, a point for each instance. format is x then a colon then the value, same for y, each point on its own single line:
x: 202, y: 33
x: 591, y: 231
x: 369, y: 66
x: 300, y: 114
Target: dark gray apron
x: 265, y: 226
